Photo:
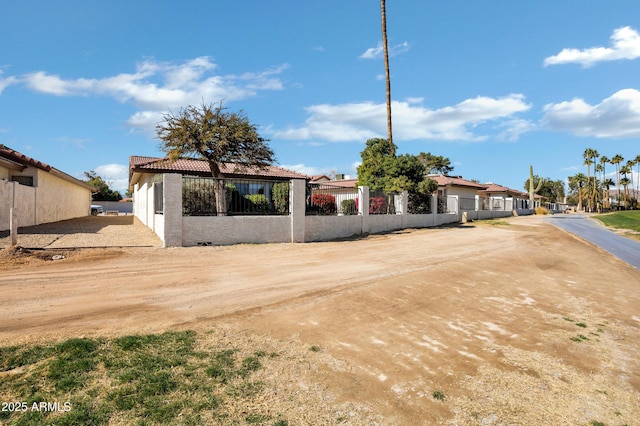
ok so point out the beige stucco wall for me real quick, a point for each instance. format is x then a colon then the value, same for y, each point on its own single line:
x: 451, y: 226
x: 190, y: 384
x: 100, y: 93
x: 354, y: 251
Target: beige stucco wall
x: 58, y: 199
x: 50, y: 199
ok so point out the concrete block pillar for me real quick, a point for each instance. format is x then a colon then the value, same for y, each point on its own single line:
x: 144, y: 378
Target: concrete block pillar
x: 171, y: 209
x: 434, y: 203
x: 298, y: 209
x: 363, y: 207
x: 13, y: 226
x: 404, y: 203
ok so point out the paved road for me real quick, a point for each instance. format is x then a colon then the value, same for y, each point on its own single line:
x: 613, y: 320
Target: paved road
x: 593, y: 231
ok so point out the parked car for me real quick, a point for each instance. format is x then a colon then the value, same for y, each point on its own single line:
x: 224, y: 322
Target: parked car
x: 96, y: 209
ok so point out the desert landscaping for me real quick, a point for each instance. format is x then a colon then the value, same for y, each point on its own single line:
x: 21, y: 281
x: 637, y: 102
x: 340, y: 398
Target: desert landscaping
x: 510, y: 321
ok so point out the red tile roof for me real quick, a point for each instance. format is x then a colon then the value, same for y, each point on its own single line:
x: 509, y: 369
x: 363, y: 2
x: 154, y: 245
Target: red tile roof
x: 15, y: 156
x: 444, y: 180
x: 495, y: 188
x: 344, y: 183
x: 201, y: 168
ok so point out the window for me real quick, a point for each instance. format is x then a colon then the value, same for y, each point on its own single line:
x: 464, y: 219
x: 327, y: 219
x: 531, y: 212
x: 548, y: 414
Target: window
x: 23, y: 180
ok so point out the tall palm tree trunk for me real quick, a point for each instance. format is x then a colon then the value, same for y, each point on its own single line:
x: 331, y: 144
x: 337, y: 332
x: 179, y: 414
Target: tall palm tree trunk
x: 383, y: 11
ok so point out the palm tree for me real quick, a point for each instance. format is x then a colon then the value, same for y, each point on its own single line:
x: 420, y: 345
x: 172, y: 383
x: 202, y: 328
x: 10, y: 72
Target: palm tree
x: 603, y: 163
x: 588, y: 161
x: 616, y: 160
x: 383, y: 11
x: 606, y: 184
x: 637, y: 162
x: 625, y: 181
x: 577, y: 181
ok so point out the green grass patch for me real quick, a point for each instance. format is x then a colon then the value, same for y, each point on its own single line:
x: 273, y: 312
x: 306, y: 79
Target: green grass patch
x: 579, y: 338
x: 439, y: 395
x: 626, y: 219
x: 143, y: 379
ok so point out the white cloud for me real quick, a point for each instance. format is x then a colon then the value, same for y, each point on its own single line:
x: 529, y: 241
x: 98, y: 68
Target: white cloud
x: 6, y: 82
x: 116, y: 175
x: 378, y: 51
x: 514, y: 128
x: 625, y: 44
x: 617, y: 116
x: 307, y: 170
x: 156, y: 87
x: 365, y: 120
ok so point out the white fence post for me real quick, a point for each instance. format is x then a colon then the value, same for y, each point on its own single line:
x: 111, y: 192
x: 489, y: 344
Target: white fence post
x: 297, y: 209
x: 363, y: 207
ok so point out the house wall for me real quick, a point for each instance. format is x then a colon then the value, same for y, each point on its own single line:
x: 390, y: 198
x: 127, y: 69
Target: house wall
x: 51, y: 199
x: 58, y: 199
x: 177, y: 230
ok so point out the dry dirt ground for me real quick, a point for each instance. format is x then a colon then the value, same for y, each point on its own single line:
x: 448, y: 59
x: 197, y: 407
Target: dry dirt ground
x: 513, y: 322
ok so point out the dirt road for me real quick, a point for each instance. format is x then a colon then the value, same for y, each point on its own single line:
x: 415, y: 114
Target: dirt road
x: 512, y: 321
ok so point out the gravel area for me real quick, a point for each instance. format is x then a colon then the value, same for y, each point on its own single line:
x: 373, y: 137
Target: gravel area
x: 89, y: 231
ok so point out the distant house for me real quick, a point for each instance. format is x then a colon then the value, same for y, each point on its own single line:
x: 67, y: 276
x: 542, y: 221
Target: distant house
x: 465, y: 190
x: 493, y: 190
x: 38, y: 192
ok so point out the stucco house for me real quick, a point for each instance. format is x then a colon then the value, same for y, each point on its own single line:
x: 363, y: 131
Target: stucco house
x: 465, y: 190
x: 493, y: 190
x: 152, y: 198
x: 38, y: 192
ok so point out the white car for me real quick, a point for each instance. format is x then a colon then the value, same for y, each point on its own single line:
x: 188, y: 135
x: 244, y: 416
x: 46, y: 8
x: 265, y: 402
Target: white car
x: 96, y: 209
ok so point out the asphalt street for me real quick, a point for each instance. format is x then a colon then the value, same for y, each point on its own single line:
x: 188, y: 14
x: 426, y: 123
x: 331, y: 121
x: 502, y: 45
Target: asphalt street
x: 594, y: 232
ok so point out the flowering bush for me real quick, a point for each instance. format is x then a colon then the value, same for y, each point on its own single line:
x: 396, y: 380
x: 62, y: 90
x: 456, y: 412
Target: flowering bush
x: 377, y: 205
x: 324, y: 203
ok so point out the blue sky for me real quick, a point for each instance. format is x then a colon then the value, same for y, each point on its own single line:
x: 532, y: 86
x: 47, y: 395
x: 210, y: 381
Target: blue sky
x: 494, y: 85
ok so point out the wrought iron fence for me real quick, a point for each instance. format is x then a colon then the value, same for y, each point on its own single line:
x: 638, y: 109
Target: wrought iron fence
x: 331, y: 199
x: 243, y: 197
x: 467, y: 203
x: 485, y: 203
x: 419, y: 203
x: 447, y: 204
x: 381, y: 202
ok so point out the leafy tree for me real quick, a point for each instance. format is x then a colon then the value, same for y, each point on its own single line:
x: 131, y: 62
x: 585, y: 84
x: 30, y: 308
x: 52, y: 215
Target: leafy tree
x: 104, y: 192
x: 382, y: 169
x: 576, y: 183
x: 552, y: 191
x: 212, y: 133
x: 435, y: 163
x: 616, y: 160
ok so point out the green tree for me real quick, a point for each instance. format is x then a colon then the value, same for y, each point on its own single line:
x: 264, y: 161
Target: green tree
x: 636, y: 161
x: 435, y: 163
x: 589, y: 156
x: 551, y: 190
x: 576, y: 183
x: 104, y: 192
x: 382, y: 169
x: 212, y: 133
x: 625, y: 181
x: 616, y: 160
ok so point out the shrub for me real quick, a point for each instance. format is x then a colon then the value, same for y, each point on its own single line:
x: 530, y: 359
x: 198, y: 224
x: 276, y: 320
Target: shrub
x: 258, y: 203
x: 325, y: 203
x: 280, y: 195
x: 542, y: 210
x: 377, y: 205
x: 348, y: 207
